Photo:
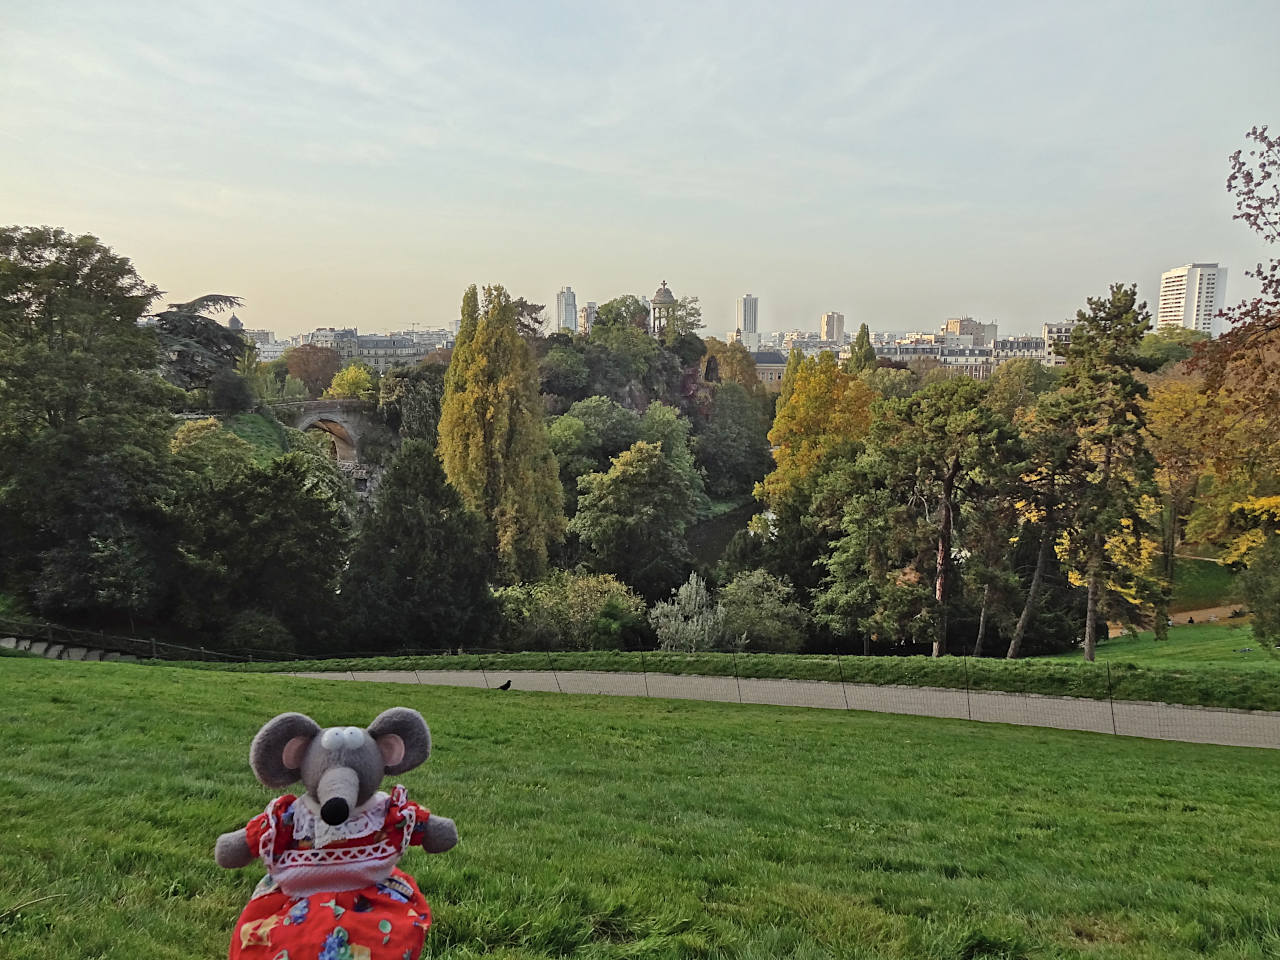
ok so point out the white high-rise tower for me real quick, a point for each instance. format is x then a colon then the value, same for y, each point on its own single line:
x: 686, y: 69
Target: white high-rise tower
x: 748, y: 317
x: 566, y: 309
x: 1191, y: 296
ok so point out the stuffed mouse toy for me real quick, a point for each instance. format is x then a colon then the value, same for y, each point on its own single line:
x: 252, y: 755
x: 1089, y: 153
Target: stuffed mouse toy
x: 332, y: 889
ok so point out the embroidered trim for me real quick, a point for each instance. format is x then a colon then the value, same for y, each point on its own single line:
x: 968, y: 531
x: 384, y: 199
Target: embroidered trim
x: 307, y: 826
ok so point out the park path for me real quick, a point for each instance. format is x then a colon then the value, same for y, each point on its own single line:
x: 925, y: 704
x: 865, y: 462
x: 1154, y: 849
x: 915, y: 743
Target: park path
x: 1156, y: 721
x: 1183, y: 617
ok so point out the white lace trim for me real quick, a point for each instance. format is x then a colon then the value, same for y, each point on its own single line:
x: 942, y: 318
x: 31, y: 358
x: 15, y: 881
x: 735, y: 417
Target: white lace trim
x: 309, y: 825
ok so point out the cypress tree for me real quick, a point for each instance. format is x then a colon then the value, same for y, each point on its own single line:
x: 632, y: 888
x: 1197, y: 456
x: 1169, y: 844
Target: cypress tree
x: 493, y: 440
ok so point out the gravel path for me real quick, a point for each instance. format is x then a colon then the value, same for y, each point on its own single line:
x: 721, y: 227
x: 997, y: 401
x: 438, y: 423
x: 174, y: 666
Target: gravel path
x: 1157, y: 721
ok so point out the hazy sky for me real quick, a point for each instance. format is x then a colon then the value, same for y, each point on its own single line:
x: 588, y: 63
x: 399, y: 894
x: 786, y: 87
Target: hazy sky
x: 898, y: 162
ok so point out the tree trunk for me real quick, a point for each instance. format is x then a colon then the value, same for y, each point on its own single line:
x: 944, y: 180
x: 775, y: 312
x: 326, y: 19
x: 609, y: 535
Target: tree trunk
x: 982, y: 621
x: 866, y: 644
x: 941, y: 582
x: 1091, y: 606
x: 1033, y: 592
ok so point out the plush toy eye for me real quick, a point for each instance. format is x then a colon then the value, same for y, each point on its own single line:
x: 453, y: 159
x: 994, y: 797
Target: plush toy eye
x: 331, y: 739
x: 352, y: 737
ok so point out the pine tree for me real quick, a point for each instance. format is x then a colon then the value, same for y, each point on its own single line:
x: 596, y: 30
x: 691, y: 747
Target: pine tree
x: 863, y: 356
x: 493, y: 441
x: 1111, y: 469
x: 419, y: 572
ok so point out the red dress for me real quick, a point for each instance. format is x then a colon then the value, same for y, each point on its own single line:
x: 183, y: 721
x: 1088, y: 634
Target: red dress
x: 322, y: 898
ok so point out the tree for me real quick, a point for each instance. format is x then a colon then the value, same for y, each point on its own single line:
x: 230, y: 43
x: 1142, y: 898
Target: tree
x: 933, y: 453
x: 530, y: 317
x: 761, y: 615
x: 733, y: 446
x: 624, y: 311
x: 564, y: 371
x: 863, y: 355
x: 685, y: 320
x: 794, y: 358
x: 195, y: 346
x: 228, y: 392
x: 827, y: 409
x: 1016, y: 384
x: 690, y: 621
x: 632, y: 520
x: 493, y: 441
x: 409, y: 400
x: 571, y: 611
x: 315, y: 366
x: 1168, y: 345
x: 354, y: 381
x: 84, y: 422
x: 1111, y: 469
x: 1260, y: 585
x: 1245, y: 361
x: 733, y: 361
x: 664, y: 426
x: 419, y: 571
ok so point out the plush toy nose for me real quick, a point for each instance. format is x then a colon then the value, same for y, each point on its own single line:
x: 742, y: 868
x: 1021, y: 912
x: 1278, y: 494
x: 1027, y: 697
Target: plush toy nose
x: 335, y: 811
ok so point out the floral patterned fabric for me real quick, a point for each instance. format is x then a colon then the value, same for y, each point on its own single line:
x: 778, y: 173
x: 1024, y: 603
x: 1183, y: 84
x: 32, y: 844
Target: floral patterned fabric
x: 384, y: 920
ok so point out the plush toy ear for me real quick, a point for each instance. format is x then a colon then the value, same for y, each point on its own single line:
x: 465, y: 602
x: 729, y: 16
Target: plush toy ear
x: 403, y: 738
x: 277, y: 751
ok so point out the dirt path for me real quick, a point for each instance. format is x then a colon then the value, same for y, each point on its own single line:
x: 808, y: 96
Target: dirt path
x: 1157, y: 721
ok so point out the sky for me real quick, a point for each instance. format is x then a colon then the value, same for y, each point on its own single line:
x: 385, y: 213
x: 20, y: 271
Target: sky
x: 341, y: 164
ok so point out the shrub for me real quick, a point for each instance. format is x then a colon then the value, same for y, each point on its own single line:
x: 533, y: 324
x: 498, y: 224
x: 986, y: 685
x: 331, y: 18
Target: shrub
x: 689, y: 621
x: 570, y: 611
x: 761, y: 615
x: 257, y: 631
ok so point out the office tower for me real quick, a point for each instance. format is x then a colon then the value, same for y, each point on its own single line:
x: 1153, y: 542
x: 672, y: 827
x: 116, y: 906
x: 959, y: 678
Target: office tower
x: 1191, y: 296
x: 748, y: 322
x: 566, y: 309
x: 587, y: 317
x: 832, y: 327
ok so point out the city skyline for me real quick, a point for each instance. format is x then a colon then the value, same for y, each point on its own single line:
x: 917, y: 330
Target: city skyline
x: 334, y: 170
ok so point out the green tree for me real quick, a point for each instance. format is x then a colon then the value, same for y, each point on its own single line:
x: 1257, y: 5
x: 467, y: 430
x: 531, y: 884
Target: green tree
x: 685, y: 319
x: 84, y: 423
x: 194, y: 346
x: 493, y: 441
x: 571, y: 611
x: 1168, y: 345
x: 632, y: 520
x: 624, y: 311
x: 733, y: 447
x: 928, y: 456
x: 1016, y: 384
x: 419, y: 572
x: 1111, y: 469
x: 664, y: 426
x: 409, y: 400
x: 564, y: 371
x: 794, y: 359
x: 354, y: 381
x: 863, y: 355
x: 733, y: 363
x: 761, y: 614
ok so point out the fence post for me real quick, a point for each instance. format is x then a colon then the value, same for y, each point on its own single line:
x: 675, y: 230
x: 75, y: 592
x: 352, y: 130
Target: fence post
x: 1111, y: 700
x: 644, y: 672
x: 153, y: 648
x: 483, y: 674
x: 552, y: 667
x: 840, y: 670
x: 736, y: 679
x: 968, y: 700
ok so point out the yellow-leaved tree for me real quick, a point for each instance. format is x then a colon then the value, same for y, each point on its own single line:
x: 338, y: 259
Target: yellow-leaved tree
x: 493, y: 439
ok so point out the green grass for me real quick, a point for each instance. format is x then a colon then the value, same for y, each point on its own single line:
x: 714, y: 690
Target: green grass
x: 601, y: 828
x: 1200, y: 584
x: 1226, y: 643
x: 1240, y: 685
x: 266, y: 438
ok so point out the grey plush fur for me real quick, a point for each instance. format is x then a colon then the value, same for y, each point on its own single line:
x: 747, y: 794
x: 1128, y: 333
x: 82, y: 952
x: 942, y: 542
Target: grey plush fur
x: 341, y: 767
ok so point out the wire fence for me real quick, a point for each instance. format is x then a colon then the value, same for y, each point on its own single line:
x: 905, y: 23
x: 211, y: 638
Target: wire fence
x: 649, y: 674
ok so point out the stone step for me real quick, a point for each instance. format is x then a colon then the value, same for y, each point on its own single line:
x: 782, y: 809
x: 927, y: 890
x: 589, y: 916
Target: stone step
x: 54, y: 651
x: 9, y: 643
x: 74, y: 653
x: 38, y: 647
x: 93, y: 655
x: 120, y: 657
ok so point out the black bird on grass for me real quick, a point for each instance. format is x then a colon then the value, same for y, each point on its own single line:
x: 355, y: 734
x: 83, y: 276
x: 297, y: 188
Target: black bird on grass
x: 505, y: 686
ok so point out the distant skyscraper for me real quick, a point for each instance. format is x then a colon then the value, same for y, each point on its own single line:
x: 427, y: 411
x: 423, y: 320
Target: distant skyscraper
x: 1191, y: 296
x: 832, y: 327
x: 748, y: 322
x: 566, y: 309
x: 587, y: 317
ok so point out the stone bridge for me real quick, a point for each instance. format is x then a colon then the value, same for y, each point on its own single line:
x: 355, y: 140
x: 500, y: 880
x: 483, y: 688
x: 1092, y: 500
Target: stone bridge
x: 345, y: 421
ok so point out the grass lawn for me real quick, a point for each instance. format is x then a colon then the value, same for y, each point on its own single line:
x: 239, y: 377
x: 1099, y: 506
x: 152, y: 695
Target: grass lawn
x: 620, y: 828
x: 264, y: 436
x: 1221, y: 644
x: 1200, y: 584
